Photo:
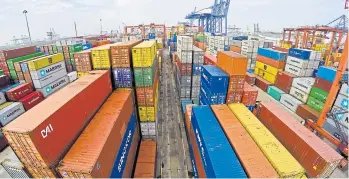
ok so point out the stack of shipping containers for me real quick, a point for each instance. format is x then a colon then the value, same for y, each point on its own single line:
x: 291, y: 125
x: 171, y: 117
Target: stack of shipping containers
x: 198, y: 61
x: 145, y: 67
x: 184, y: 66
x: 101, y: 57
x: 302, y: 62
x: 83, y: 62
x: 235, y: 65
x: 13, y: 53
x: 249, y: 49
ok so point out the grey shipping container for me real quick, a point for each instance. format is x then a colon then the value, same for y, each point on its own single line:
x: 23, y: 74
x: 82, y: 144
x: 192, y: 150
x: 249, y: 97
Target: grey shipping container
x: 11, y: 112
x: 43, y: 72
x: 54, y: 86
x: 49, y: 79
x: 196, y: 81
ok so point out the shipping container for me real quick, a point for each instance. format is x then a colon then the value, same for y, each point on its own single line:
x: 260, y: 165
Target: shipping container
x: 101, y: 57
x: 295, y: 70
x: 275, y: 92
x: 273, y: 54
x: 10, y: 62
x: 219, y: 159
x: 232, y: 63
x: 121, y: 54
x: 319, y: 94
x: 323, y: 84
x: 299, y: 94
x: 236, y: 49
x: 146, y: 161
x: 250, y: 78
x: 236, y: 95
x: 262, y: 83
x: 83, y: 61
x: 329, y: 73
x: 54, y: 86
x: 317, y: 157
x: 306, y: 112
x: 209, y: 59
x: 282, y: 161
x: 19, y: 92
x: 290, y: 102
x: 144, y: 54
x: 11, y: 112
x: 104, y: 140
x: 215, y: 79
x: 303, y: 54
x: 265, y: 75
x: 344, y: 89
x: 270, y: 69
x: 42, y: 82
x: 4, y: 81
x: 252, y: 159
x: 341, y: 101
x: 47, y: 71
x: 315, y: 104
x: 122, y: 77
x: 215, y: 95
x: 249, y: 96
x: 5, y: 89
x: 16, y: 52
x: 43, y: 62
x: 294, y: 61
x: 305, y: 84
x: 72, y: 76
x: 49, y: 132
x: 145, y: 76
x: 31, y: 100
x: 2, y: 98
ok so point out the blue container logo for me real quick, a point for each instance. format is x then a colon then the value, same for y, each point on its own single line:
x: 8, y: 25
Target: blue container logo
x: 42, y: 73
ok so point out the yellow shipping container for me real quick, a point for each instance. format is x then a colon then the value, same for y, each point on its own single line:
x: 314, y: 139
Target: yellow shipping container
x: 4, y: 105
x: 144, y: 54
x: 45, y: 61
x: 267, y: 68
x: 283, y: 162
x: 101, y: 57
x: 146, y: 114
x: 265, y: 75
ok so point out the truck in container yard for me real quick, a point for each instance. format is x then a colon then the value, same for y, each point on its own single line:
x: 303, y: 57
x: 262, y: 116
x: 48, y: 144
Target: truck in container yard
x: 283, y: 162
x: 318, y: 158
x: 43, y: 126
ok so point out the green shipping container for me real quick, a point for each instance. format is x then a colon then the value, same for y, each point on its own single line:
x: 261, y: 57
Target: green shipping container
x: 275, y: 92
x: 75, y: 48
x: 54, y: 49
x: 1, y: 72
x: 315, y: 104
x: 144, y: 77
x: 319, y: 94
x: 13, y: 74
x: 22, y: 58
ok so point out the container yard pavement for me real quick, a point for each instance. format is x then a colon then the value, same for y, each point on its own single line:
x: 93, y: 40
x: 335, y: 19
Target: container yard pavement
x: 173, y: 160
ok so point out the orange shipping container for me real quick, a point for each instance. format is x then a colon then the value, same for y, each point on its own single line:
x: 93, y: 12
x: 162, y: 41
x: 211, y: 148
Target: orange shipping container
x: 281, y: 49
x: 100, y: 141
x: 279, y: 64
x: 121, y: 53
x: 232, y: 63
x: 145, y: 166
x: 235, y: 49
x: 251, y: 157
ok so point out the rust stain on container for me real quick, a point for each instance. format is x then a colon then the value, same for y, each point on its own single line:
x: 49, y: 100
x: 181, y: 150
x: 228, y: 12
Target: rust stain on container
x: 43, y: 135
x: 262, y: 83
x: 318, y: 158
x: 145, y: 166
x: 306, y: 112
x: 232, y: 63
x: 249, y: 95
x: 284, y: 81
x: 251, y: 157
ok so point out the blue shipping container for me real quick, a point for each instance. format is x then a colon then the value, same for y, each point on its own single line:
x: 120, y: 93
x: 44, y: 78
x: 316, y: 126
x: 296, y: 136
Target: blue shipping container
x: 151, y: 36
x: 202, y: 99
x: 217, y: 155
x: 192, y: 159
x: 86, y: 46
x: 299, y: 53
x: 121, y: 159
x: 273, y: 54
x: 226, y: 47
x: 251, y: 108
x: 122, y: 77
x: 197, y: 69
x: 329, y: 73
x: 215, y: 78
x: 212, y: 97
x: 240, y: 38
x: 4, y: 90
x: 38, y: 49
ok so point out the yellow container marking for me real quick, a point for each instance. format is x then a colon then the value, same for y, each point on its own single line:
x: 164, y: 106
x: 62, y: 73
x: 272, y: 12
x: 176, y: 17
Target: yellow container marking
x: 283, y: 162
x: 45, y: 61
x: 270, y: 69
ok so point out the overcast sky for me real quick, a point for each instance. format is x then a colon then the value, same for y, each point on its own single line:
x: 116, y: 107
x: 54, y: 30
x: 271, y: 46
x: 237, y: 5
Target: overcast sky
x: 60, y: 14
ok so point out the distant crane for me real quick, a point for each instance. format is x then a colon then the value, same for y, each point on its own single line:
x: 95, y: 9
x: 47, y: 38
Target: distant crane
x: 340, y: 23
x: 214, y: 18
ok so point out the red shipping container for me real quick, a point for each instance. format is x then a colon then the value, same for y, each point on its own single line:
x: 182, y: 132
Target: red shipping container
x: 145, y: 96
x: 306, y: 112
x: 236, y: 82
x: 323, y: 84
x: 249, y: 95
x: 318, y: 159
x: 18, y: 52
x: 250, y: 78
x: 19, y: 92
x: 284, y: 81
x: 279, y: 64
x: 83, y: 61
x: 234, y: 96
x: 184, y: 68
x: 31, y: 100
x: 48, y: 130
x: 262, y: 83
x: 209, y: 59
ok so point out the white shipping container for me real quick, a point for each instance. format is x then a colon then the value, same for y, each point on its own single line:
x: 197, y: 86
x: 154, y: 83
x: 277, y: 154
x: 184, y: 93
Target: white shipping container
x: 318, y: 55
x: 72, y: 76
x: 11, y: 112
x: 250, y: 43
x: 341, y: 101
x: 344, y: 90
x: 43, y: 72
x: 185, y: 42
x: 309, y: 72
x: 236, y: 43
x: 294, y: 70
x: 249, y: 49
x: 305, y: 83
x: 40, y: 83
x: 290, y: 102
x: 2, y: 98
x: 316, y: 64
x: 53, y: 87
x: 299, y: 94
x: 297, y: 62
x: 310, y: 64
x: 195, y: 92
